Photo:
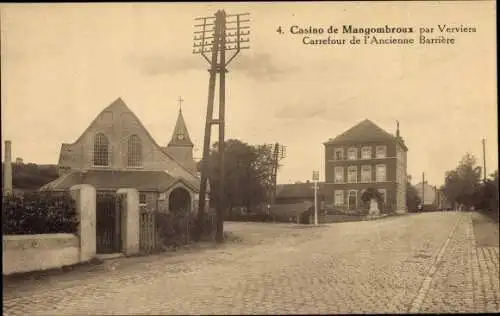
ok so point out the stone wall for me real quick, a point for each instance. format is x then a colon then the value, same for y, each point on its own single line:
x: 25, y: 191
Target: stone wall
x: 25, y: 253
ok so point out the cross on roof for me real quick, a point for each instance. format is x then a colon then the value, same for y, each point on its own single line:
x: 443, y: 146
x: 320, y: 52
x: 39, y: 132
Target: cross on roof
x: 180, y: 103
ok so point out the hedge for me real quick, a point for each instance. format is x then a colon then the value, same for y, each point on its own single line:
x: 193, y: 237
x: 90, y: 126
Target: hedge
x: 39, y: 213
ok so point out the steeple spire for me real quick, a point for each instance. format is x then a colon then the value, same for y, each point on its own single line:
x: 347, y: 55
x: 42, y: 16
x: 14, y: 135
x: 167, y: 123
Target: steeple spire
x: 180, y: 137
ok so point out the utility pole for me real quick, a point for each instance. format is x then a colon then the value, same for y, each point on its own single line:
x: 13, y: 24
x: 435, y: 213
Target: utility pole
x: 315, y: 179
x: 7, y: 169
x: 278, y: 152
x: 423, y: 190
x: 484, y: 160
x: 213, y: 36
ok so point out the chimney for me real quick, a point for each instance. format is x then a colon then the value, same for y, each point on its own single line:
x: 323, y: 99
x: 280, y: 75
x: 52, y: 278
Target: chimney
x: 7, y: 171
x: 397, y: 129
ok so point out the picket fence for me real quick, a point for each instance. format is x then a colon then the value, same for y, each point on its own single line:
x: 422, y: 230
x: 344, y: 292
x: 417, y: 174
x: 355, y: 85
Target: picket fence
x: 148, y: 232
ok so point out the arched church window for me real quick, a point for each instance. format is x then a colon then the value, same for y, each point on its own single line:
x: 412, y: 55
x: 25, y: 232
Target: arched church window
x: 134, y: 158
x: 101, y: 150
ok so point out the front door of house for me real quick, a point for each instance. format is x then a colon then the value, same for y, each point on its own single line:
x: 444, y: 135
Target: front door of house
x: 352, y: 200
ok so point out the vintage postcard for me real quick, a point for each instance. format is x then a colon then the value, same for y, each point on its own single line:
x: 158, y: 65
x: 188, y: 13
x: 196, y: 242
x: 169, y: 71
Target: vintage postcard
x: 249, y: 158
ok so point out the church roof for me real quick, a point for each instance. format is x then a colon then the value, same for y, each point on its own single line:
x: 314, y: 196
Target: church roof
x: 180, y: 136
x: 363, y: 131
x: 119, y: 106
x: 112, y: 180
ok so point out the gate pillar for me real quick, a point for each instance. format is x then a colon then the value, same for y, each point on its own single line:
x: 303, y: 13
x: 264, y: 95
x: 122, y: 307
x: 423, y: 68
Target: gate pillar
x: 130, y: 226
x: 85, y: 198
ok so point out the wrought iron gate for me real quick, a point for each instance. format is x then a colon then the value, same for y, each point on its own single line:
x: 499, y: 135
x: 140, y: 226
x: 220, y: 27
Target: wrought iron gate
x: 108, y: 222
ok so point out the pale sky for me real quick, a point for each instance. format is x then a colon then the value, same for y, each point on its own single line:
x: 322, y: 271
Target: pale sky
x: 64, y: 63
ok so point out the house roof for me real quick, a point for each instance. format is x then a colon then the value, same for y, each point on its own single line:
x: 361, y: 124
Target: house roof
x: 180, y: 129
x: 363, y: 131
x: 297, y: 190
x: 290, y: 209
x: 110, y: 179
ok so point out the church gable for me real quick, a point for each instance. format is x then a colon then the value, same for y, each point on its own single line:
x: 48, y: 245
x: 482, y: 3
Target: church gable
x: 116, y: 139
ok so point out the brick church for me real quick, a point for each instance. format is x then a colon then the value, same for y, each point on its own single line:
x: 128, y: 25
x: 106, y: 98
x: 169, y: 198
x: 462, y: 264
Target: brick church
x: 116, y: 151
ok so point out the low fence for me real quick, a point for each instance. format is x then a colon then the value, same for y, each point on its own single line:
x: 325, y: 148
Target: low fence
x: 25, y: 253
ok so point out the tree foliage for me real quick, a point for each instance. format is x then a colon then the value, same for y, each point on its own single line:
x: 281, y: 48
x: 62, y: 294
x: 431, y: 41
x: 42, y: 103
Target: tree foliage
x: 486, y: 195
x: 462, y: 183
x: 31, y: 176
x: 412, y: 198
x: 247, y: 174
x: 369, y: 194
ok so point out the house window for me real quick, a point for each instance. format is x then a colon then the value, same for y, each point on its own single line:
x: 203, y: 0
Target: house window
x: 380, y: 173
x: 339, y: 175
x: 352, y: 176
x: 366, y: 153
x: 366, y: 174
x: 101, y: 150
x: 380, y: 151
x: 338, y: 154
x: 339, y: 197
x: 352, y: 153
x: 142, y: 198
x: 134, y: 157
x: 383, y: 195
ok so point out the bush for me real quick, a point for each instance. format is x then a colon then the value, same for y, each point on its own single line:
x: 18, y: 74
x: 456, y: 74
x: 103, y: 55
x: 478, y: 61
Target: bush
x: 173, y: 228
x: 39, y: 213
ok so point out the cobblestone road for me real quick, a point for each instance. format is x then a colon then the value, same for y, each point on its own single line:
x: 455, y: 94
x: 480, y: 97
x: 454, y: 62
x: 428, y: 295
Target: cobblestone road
x: 415, y: 263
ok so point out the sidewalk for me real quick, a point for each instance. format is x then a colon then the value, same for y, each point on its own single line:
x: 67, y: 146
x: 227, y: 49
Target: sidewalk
x: 486, y: 258
x: 486, y: 230
x: 465, y: 277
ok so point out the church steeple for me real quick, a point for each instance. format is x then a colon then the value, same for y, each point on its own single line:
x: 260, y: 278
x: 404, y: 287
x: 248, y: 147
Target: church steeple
x: 180, y: 137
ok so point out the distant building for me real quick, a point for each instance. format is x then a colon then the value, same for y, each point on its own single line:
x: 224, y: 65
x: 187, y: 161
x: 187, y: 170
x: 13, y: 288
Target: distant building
x: 298, y: 193
x: 429, y: 195
x: 442, y: 202
x: 19, y: 161
x: 365, y: 156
